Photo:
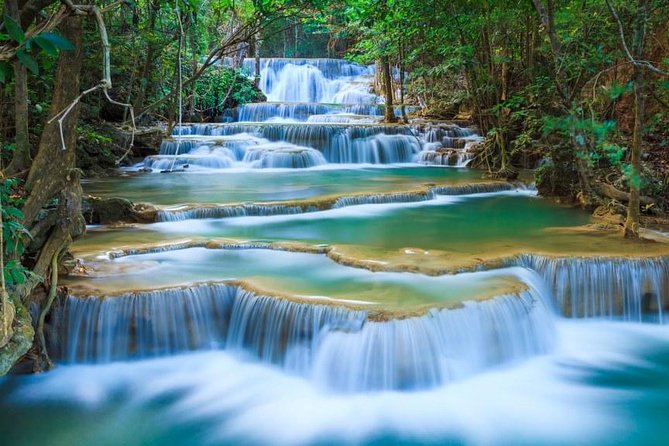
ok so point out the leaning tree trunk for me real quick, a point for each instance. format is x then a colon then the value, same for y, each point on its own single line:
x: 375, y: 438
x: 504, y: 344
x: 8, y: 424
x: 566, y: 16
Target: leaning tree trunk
x: 389, y: 115
x: 56, y: 153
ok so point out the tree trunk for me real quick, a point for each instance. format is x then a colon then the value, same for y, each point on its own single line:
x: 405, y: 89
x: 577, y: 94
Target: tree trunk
x: 147, y: 68
x: 52, y: 165
x: 632, y: 220
x: 402, y: 86
x: 633, y: 211
x: 545, y: 13
x: 256, y: 48
x: 389, y: 116
x: 21, y: 158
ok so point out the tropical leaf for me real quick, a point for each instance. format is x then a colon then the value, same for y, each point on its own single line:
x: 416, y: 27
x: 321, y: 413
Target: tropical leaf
x: 14, y: 29
x: 28, y: 61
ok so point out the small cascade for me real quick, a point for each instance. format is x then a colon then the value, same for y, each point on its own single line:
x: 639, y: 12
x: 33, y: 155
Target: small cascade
x: 376, y: 149
x: 339, y: 347
x: 181, y: 145
x: 442, y: 346
x: 281, y: 155
x: 632, y: 289
x: 235, y: 210
x: 401, y: 197
x: 206, y: 316
x: 444, y: 157
x: 338, y: 143
x: 475, y: 188
x: 300, y: 112
x: 314, y: 80
x: 264, y: 111
x: 344, y: 118
x: 447, y: 145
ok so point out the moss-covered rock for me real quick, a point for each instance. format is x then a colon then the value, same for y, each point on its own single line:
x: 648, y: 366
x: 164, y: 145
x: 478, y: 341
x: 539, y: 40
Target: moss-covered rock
x: 20, y: 341
x: 116, y: 210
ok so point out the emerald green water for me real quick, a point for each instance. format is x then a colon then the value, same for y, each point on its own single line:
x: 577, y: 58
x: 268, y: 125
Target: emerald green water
x: 233, y: 186
x: 299, y: 274
x: 462, y: 225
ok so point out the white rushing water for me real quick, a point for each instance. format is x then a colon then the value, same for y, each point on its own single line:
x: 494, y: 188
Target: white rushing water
x: 322, y: 112
x: 337, y: 347
x: 605, y: 383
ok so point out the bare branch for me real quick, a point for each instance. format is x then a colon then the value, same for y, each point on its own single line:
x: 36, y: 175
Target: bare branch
x: 621, y: 33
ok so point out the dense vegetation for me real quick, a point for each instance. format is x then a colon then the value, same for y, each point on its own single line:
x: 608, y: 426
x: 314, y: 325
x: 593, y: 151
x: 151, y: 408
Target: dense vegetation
x: 577, y: 89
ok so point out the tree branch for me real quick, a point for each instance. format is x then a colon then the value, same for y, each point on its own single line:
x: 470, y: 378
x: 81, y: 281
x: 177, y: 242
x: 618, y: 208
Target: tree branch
x: 623, y: 42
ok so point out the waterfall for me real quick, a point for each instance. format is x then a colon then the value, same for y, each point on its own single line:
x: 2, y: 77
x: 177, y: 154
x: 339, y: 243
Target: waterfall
x: 634, y: 289
x: 266, y: 111
x: 337, y: 143
x: 283, y: 156
x: 205, y: 316
x: 441, y: 346
x: 319, y: 104
x: 315, y: 80
x: 339, y: 347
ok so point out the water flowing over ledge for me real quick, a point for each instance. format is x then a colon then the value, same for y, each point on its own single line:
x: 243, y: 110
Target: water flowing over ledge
x: 632, y: 288
x: 304, y: 206
x: 338, y: 347
x: 301, y: 111
x: 329, y: 138
x: 314, y: 80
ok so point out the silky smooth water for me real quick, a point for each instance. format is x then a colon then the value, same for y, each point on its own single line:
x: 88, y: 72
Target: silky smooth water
x: 606, y: 383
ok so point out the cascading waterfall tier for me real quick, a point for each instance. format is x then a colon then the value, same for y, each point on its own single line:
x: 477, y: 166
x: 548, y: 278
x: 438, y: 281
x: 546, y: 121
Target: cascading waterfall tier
x: 235, y: 210
x: 635, y: 289
x: 320, y: 104
x: 339, y: 347
x: 265, y: 111
x: 439, y: 347
x: 334, y: 143
x: 249, y: 151
x: 314, y: 80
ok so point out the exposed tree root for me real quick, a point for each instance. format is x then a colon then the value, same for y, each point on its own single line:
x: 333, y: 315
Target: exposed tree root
x: 45, y: 361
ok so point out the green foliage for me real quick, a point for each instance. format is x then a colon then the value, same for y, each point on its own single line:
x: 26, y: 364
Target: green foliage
x: 223, y: 88
x: 13, y: 233
x: 50, y: 43
x: 14, y: 29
